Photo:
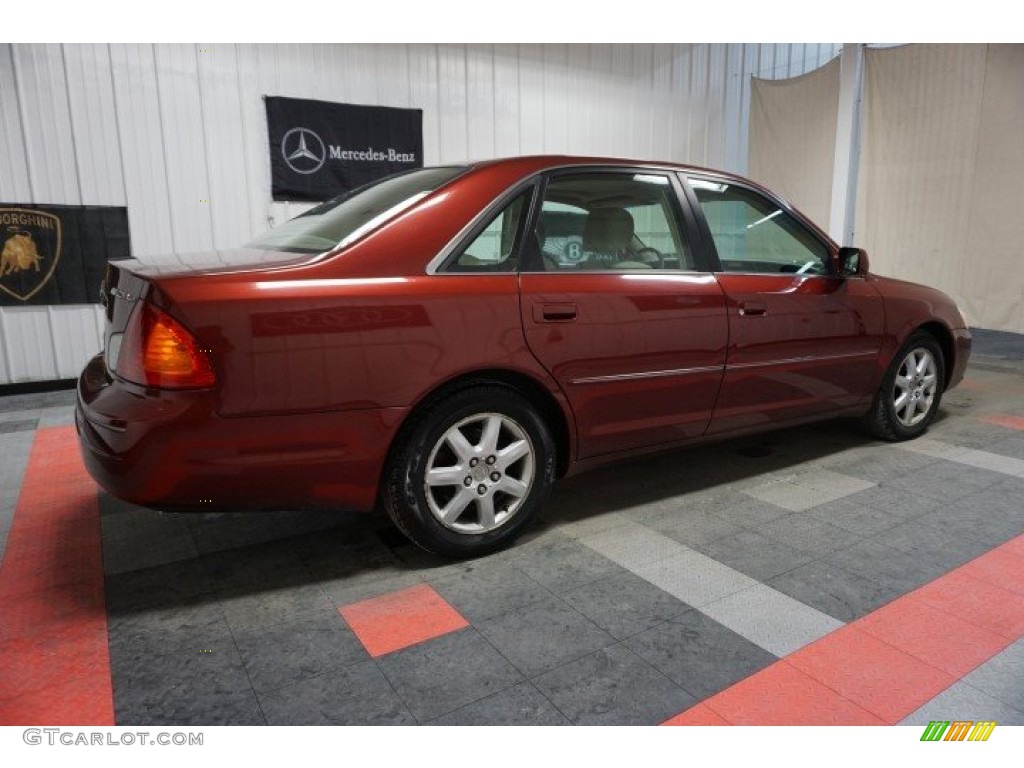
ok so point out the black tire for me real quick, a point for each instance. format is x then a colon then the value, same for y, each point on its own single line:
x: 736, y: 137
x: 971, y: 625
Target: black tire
x: 883, y: 420
x: 405, y: 494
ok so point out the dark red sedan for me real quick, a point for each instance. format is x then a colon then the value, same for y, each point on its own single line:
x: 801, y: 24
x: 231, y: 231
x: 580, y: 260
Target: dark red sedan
x: 446, y: 342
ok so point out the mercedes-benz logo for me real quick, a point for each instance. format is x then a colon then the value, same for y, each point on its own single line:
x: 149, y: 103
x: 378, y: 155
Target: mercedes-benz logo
x: 303, y: 150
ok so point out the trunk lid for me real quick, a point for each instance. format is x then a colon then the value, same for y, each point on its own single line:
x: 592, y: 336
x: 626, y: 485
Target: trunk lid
x: 126, y: 281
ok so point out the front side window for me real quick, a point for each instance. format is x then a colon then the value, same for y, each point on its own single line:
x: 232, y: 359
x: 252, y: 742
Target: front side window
x: 346, y: 218
x: 753, y: 234
x: 611, y: 221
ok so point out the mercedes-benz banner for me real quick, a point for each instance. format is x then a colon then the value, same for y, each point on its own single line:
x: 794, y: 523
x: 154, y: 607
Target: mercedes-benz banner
x: 319, y: 149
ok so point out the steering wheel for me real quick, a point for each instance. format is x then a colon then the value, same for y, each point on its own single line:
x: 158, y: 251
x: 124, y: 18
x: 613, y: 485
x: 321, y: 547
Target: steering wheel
x: 648, y: 251
x: 806, y: 267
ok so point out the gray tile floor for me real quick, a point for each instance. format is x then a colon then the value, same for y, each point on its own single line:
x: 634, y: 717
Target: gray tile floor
x: 644, y: 588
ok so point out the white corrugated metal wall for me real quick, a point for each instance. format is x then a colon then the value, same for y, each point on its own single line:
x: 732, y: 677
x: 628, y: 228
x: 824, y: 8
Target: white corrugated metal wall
x: 178, y: 132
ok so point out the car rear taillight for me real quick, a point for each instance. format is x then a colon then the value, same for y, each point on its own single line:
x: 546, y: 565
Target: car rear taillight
x: 157, y: 351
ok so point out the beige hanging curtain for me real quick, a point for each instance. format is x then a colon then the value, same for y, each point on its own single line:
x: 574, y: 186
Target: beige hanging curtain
x: 793, y: 138
x: 941, y: 185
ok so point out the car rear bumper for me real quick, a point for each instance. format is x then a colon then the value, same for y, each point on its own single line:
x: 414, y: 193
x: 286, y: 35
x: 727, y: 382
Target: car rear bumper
x: 170, y: 450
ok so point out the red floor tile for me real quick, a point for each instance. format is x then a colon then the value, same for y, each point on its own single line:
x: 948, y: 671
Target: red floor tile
x: 400, y: 619
x: 52, y: 610
x: 887, y: 664
x: 1002, y: 567
x: 31, y: 663
x: 883, y: 680
x: 783, y: 695
x: 1005, y: 420
x: 926, y: 633
x: 85, y: 700
x: 46, y: 529
x: 1016, y: 546
x: 21, y: 574
x: 54, y: 659
x: 697, y: 715
x: 977, y: 602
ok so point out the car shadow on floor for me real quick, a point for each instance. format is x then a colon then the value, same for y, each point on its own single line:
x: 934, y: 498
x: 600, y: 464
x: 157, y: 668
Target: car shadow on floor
x: 283, y: 563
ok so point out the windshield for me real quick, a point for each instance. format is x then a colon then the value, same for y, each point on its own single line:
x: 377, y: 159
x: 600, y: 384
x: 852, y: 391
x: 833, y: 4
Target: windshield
x: 348, y: 217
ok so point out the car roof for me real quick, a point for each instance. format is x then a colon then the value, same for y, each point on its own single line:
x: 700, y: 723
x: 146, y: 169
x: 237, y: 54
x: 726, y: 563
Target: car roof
x: 535, y: 163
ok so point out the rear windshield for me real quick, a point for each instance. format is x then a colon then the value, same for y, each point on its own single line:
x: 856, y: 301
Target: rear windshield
x: 348, y: 217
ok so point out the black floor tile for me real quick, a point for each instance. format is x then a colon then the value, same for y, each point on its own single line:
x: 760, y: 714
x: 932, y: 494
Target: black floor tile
x: 342, y: 574
x: 856, y: 518
x: 624, y: 604
x: 1012, y: 446
x: 146, y: 687
x: 293, y: 650
x: 711, y: 501
x: 759, y: 557
x: 752, y: 513
x: 242, y: 711
x: 22, y: 425
x: 1002, y: 344
x: 1002, y: 504
x: 885, y: 463
x: 924, y: 539
x: 886, y: 565
x: 441, y: 675
x: 177, y: 584
x: 1010, y: 490
x: 562, y: 564
x: 543, y: 636
x: 943, y: 481
x: 809, y: 534
x: 33, y: 400
x: 354, y: 695
x: 169, y: 629
x: 694, y: 528
x: 699, y: 654
x: 988, y: 517
x: 521, y: 704
x: 843, y: 595
x: 342, y: 592
x: 613, y: 686
x: 902, y: 504
x: 265, y: 608
x: 257, y: 567
x: 486, y: 590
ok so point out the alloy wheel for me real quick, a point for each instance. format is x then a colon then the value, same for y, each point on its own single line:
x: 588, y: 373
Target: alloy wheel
x: 479, y: 473
x: 915, y: 387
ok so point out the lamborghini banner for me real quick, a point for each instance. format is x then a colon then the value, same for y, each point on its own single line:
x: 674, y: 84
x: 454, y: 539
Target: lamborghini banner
x: 57, y: 254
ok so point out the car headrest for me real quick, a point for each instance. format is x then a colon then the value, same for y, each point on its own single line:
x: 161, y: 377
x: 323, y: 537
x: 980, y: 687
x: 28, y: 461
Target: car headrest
x: 608, y: 230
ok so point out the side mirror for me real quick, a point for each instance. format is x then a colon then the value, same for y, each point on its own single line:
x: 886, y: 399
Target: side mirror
x: 852, y: 262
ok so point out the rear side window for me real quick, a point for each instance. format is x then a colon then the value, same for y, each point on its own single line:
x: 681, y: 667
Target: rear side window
x: 348, y: 217
x: 494, y: 249
x: 621, y: 221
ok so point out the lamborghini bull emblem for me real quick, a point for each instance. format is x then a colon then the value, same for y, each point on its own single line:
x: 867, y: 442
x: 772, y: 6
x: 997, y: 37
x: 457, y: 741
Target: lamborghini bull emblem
x: 30, y: 242
x: 19, y: 253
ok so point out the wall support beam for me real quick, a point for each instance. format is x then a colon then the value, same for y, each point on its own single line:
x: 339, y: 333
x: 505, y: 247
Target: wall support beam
x: 847, y: 154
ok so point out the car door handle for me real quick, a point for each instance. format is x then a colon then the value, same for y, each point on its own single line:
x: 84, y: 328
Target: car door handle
x: 554, y: 313
x: 752, y: 309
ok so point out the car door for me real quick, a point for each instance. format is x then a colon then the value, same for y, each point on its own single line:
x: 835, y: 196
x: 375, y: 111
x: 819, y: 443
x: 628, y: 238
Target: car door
x: 802, y: 340
x: 616, y: 308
